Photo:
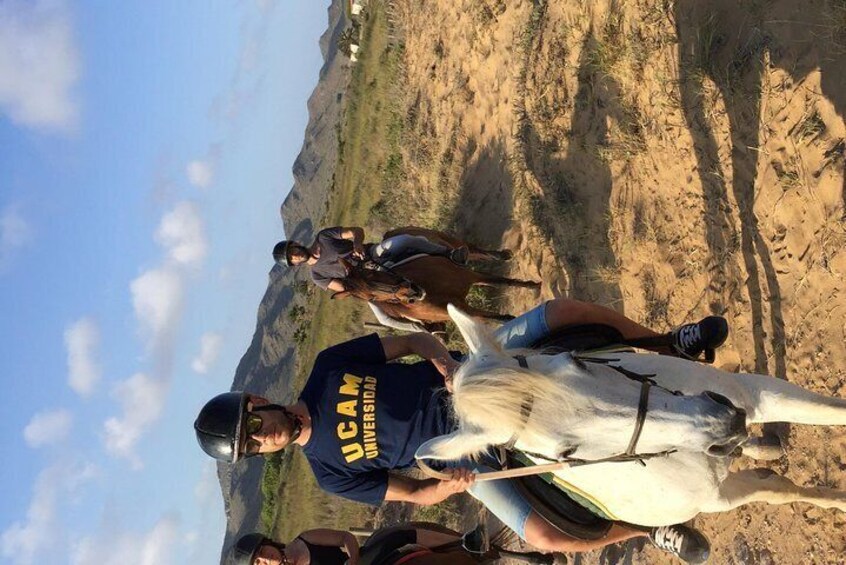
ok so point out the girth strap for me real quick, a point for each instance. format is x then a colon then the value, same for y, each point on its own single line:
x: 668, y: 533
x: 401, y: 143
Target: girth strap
x: 642, y: 406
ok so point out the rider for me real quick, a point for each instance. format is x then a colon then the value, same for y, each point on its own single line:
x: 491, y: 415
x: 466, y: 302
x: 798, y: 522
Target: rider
x: 360, y: 417
x: 336, y: 250
x: 312, y: 547
x: 334, y: 547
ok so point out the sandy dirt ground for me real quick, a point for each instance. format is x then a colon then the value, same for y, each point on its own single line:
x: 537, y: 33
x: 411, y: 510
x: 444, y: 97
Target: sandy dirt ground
x: 671, y: 159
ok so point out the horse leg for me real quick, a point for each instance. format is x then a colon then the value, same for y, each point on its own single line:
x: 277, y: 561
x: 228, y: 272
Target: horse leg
x: 479, y: 254
x: 479, y: 313
x: 486, y: 279
x: 775, y: 400
x: 766, y: 448
x: 763, y: 485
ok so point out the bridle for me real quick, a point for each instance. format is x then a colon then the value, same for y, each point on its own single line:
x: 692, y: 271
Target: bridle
x: 630, y: 454
x: 392, y: 289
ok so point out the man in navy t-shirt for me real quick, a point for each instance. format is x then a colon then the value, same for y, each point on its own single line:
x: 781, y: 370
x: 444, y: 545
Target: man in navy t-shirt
x: 359, y: 416
x: 368, y: 416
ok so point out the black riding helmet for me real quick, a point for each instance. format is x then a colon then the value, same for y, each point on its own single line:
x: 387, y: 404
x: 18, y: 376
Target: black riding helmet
x: 220, y: 422
x: 280, y: 253
x: 245, y: 549
x: 218, y: 426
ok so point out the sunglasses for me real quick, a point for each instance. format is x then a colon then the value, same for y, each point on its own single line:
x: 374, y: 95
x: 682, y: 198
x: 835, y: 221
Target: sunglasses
x: 252, y: 425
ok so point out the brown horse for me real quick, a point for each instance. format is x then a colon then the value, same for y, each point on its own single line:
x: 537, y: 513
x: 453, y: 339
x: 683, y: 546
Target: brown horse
x: 428, y: 557
x: 442, y: 282
x: 452, y: 553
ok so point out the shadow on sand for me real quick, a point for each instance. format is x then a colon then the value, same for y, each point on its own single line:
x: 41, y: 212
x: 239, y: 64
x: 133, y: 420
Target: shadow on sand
x: 729, y: 43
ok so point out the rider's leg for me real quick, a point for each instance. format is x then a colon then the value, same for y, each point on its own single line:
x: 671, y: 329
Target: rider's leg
x: 562, y: 312
x: 688, y: 340
x: 541, y: 321
x: 547, y: 537
x: 432, y: 539
x: 505, y: 502
x: 399, y: 247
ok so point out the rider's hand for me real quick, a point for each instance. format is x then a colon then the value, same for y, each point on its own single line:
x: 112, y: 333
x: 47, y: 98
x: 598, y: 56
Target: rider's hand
x: 461, y: 480
x: 446, y: 366
x: 358, y: 250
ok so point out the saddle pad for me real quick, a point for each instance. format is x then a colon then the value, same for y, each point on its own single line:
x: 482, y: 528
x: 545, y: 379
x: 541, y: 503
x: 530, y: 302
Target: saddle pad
x: 567, y: 510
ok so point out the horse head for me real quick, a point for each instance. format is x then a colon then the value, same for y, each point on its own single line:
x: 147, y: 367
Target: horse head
x: 380, y: 286
x: 559, y: 404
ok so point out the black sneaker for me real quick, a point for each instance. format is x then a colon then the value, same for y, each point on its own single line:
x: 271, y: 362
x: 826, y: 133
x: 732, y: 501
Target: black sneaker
x: 684, y: 542
x: 459, y: 255
x: 691, y: 340
x: 476, y: 540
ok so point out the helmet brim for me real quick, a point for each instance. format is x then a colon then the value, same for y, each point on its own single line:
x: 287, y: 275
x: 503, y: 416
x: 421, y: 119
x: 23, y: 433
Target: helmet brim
x: 238, y: 439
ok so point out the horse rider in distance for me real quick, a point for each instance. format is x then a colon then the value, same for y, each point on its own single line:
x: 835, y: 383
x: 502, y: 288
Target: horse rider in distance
x: 337, y: 250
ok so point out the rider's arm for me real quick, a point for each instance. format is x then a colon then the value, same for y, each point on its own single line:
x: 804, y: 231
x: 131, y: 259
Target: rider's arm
x: 386, y: 320
x: 423, y: 344
x: 427, y: 491
x: 335, y: 285
x: 355, y: 234
x: 426, y: 346
x: 333, y: 538
x: 357, y: 237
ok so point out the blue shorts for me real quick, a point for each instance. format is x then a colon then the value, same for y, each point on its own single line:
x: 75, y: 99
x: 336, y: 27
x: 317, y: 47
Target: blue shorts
x: 524, y: 330
x: 501, y: 497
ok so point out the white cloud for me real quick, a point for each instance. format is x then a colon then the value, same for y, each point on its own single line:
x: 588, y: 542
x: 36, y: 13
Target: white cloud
x: 37, y: 534
x: 15, y: 232
x: 142, y: 399
x: 200, y: 173
x: 81, y: 341
x: 182, y: 233
x: 39, y: 64
x: 158, y: 546
x: 48, y: 428
x: 210, y: 344
x: 157, y: 297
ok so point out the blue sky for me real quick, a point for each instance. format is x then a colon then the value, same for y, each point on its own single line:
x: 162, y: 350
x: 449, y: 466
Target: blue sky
x: 145, y: 150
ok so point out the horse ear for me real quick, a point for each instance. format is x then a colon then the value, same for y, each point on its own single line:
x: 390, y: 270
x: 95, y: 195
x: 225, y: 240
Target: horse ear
x: 454, y: 446
x: 474, y: 333
x: 339, y: 295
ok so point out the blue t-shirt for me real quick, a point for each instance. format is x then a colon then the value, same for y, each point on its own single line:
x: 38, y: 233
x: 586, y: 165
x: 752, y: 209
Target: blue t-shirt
x: 369, y: 416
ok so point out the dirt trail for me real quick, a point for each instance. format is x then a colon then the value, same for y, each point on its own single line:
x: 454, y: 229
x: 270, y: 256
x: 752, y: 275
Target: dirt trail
x: 671, y: 160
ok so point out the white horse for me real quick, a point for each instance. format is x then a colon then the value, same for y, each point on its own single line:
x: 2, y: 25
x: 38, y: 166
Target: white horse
x: 564, y: 405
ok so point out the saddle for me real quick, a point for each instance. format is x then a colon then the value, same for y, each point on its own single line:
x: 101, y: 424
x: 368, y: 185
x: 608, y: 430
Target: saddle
x: 566, y: 510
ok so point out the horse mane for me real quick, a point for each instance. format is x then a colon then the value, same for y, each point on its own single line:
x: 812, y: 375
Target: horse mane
x: 365, y: 283
x: 489, y: 394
